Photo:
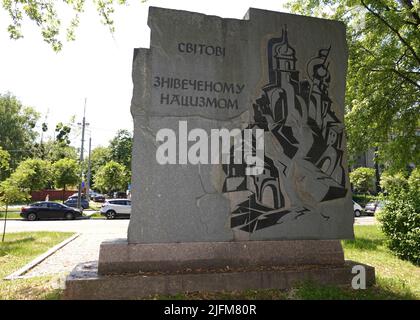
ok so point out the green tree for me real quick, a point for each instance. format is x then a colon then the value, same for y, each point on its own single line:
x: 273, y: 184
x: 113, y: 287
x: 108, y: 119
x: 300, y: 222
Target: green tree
x: 10, y: 193
x: 58, y: 148
x: 362, y: 179
x: 98, y: 158
x: 44, y: 15
x: 17, y: 125
x: 383, y: 80
x: 4, y: 163
x: 63, y: 133
x: 55, y: 151
x: 111, y: 177
x: 121, y: 146
x: 32, y: 174
x: 65, y: 172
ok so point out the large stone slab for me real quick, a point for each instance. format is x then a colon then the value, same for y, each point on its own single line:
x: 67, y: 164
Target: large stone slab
x: 84, y: 283
x: 281, y: 73
x: 120, y: 257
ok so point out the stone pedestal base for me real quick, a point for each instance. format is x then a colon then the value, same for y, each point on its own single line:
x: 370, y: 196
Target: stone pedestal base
x: 130, y: 271
x: 117, y: 256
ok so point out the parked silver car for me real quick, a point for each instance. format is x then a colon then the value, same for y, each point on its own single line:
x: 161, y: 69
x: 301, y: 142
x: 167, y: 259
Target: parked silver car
x: 114, y: 208
x: 357, y: 208
x: 373, y: 207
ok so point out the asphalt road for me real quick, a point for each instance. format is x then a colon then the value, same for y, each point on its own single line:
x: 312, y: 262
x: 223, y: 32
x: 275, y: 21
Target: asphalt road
x: 113, y: 228
x: 365, y: 221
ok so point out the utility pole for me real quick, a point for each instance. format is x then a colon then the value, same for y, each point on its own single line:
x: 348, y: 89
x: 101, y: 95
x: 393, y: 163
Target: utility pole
x: 89, y: 172
x: 44, y: 128
x: 79, y: 196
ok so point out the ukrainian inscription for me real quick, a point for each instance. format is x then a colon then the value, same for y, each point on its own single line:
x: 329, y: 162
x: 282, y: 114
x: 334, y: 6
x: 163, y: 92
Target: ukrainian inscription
x: 201, y: 49
x: 276, y: 83
x: 197, y: 86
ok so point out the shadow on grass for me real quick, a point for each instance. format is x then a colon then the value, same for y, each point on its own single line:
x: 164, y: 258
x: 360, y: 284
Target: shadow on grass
x: 55, y: 294
x: 33, y: 289
x: 384, y: 289
x: 7, y: 247
x: 363, y: 243
x: 266, y: 294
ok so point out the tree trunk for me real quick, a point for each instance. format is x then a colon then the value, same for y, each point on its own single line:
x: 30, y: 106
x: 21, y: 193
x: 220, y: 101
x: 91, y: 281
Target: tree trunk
x: 5, y: 220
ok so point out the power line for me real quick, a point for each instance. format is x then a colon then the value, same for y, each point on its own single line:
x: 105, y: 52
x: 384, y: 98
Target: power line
x: 107, y: 129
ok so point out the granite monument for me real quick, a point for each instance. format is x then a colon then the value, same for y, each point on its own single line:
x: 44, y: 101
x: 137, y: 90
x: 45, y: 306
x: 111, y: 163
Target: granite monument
x: 281, y: 73
x: 239, y: 156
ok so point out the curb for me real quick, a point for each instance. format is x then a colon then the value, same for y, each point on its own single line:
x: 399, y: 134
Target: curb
x: 20, y: 272
x: 21, y: 219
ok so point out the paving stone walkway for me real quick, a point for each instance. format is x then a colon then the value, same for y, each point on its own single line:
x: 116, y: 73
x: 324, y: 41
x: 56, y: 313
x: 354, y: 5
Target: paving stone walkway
x: 84, y: 248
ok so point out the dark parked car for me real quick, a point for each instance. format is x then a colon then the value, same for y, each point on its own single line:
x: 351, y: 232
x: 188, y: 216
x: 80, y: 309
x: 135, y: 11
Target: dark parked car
x: 72, y: 202
x: 97, y: 197
x: 120, y: 195
x: 49, y: 210
x: 75, y: 195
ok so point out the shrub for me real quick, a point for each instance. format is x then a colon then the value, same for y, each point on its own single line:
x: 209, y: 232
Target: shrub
x: 401, y: 220
x: 414, y: 180
x: 393, y: 183
x: 363, y: 179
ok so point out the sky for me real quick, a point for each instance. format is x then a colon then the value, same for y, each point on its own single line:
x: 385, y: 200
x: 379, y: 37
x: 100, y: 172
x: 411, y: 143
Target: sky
x: 96, y: 66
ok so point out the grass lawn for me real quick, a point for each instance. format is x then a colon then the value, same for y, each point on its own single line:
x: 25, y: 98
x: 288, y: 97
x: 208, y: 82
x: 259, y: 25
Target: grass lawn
x: 19, y: 249
x: 11, y: 215
x: 395, y: 278
x: 97, y: 215
x: 95, y: 205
